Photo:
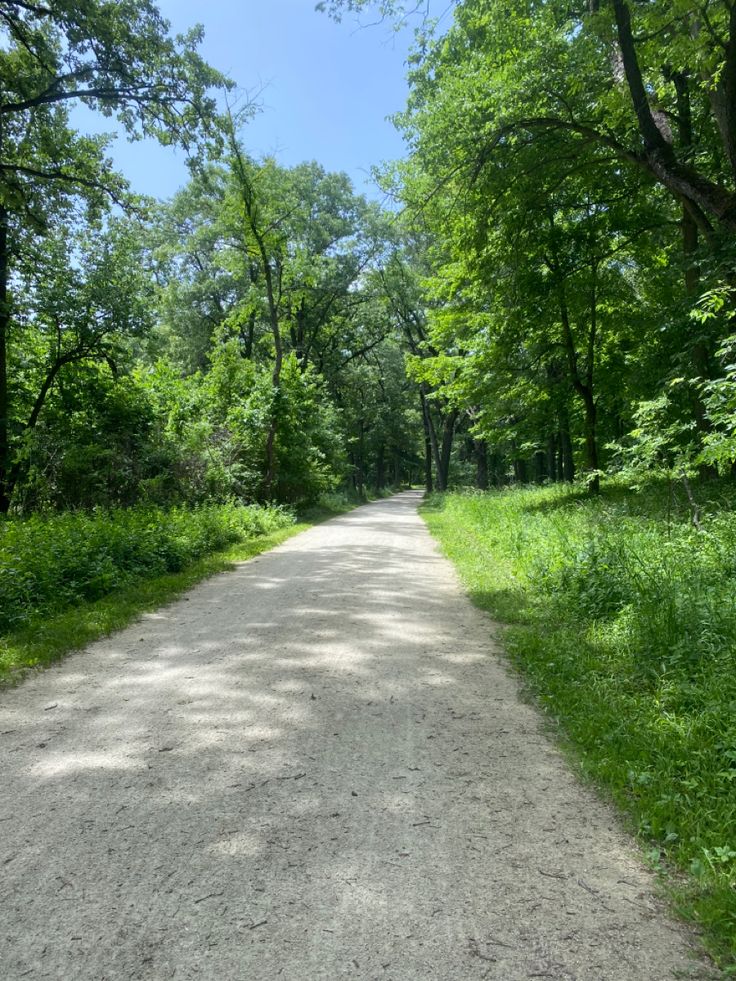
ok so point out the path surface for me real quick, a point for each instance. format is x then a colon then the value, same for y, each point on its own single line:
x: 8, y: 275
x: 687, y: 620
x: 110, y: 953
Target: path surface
x: 313, y: 767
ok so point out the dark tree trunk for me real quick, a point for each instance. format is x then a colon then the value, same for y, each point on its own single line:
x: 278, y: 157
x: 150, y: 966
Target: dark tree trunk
x: 552, y: 457
x: 428, y: 482
x: 448, y: 433
x: 591, y: 442
x: 5, y: 489
x: 540, y: 466
x: 381, y: 468
x: 431, y: 434
x: 568, y: 460
x: 704, y: 196
x: 360, y: 458
x: 440, y: 450
x: 722, y: 95
x: 582, y: 379
x: 270, y: 266
x: 559, y: 460
x: 520, y: 471
x: 499, y: 465
x: 480, y: 450
x: 270, y: 476
x: 247, y: 337
x: 700, y: 356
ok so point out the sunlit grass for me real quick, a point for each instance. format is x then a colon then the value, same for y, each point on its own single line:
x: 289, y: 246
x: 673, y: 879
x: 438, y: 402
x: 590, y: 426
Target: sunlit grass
x: 623, y: 619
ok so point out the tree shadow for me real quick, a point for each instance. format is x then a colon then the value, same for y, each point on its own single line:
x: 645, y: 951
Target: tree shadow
x: 307, y: 764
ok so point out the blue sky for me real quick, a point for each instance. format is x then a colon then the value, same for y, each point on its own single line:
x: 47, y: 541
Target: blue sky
x: 326, y: 89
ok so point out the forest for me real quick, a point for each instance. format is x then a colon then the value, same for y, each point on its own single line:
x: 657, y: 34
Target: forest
x: 545, y: 302
x: 549, y: 297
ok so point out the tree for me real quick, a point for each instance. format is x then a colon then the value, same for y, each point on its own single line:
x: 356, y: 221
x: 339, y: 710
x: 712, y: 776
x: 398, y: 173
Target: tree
x: 82, y: 301
x: 594, y: 73
x: 118, y: 59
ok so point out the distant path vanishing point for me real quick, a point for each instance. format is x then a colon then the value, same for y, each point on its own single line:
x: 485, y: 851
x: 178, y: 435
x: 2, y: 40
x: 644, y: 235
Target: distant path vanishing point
x: 313, y: 767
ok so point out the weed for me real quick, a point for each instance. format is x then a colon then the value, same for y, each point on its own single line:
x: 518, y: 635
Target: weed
x: 623, y: 618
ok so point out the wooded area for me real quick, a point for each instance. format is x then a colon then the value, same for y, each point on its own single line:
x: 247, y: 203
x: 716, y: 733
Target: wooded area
x: 547, y: 296
x: 235, y: 342
x: 557, y: 273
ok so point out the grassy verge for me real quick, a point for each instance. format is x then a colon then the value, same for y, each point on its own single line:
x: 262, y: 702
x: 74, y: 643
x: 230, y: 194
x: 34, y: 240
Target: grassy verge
x: 46, y: 635
x: 622, y: 617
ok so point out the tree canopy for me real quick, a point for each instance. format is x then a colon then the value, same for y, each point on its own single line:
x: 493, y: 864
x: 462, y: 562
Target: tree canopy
x: 551, y: 298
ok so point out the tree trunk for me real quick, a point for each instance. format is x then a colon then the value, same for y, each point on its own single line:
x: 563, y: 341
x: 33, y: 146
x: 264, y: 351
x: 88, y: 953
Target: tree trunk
x: 568, y: 460
x: 480, y: 449
x: 269, y: 264
x: 270, y: 475
x: 583, y: 382
x: 699, y: 353
x: 681, y: 179
x: 552, y: 457
x: 247, y: 337
x: 5, y: 489
x: 723, y: 95
x: 381, y: 468
x: 448, y: 433
x: 591, y: 442
x: 428, y: 483
x: 432, y: 433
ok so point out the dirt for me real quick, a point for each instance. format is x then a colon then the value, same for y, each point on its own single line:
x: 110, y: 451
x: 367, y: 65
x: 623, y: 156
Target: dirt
x: 316, y: 766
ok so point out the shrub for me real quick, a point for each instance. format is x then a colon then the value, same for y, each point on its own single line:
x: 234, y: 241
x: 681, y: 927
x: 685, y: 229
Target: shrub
x: 48, y: 563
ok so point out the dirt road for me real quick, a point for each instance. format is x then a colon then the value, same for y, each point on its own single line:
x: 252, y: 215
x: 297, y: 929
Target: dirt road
x: 313, y: 767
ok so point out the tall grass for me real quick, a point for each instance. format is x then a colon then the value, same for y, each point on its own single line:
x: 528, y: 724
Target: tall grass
x: 49, y: 563
x: 66, y: 579
x: 623, y: 618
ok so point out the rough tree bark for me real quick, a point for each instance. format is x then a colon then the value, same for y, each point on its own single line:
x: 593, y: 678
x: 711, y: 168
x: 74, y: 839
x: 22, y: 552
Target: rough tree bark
x: 704, y: 196
x: 5, y: 463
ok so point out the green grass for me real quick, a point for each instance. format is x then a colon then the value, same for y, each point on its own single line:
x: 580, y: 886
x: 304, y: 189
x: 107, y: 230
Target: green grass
x: 60, y: 624
x: 622, y: 617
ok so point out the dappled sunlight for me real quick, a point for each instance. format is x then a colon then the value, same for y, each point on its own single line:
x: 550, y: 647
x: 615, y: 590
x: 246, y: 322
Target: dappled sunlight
x: 435, y: 678
x: 461, y: 658
x: 302, y: 741
x: 59, y: 765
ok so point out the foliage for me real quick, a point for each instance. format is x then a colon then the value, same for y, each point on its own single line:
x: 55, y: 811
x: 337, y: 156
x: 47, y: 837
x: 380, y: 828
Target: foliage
x: 623, y: 620
x: 120, y: 60
x: 49, y: 563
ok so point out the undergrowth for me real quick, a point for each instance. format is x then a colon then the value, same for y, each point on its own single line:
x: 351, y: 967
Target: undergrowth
x: 70, y: 578
x: 623, y: 617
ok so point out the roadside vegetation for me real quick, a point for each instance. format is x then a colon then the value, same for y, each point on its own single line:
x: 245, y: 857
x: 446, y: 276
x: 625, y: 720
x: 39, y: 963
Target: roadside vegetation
x: 69, y: 579
x: 621, y: 615
x: 550, y: 299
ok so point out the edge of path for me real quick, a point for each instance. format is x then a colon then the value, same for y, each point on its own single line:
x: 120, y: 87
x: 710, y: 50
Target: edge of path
x: 45, y: 642
x: 671, y: 881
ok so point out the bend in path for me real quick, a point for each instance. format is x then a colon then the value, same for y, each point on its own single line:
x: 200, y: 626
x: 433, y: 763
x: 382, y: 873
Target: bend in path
x: 313, y: 767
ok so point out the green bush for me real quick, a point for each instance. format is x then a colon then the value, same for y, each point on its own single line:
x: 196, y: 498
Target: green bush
x: 48, y: 563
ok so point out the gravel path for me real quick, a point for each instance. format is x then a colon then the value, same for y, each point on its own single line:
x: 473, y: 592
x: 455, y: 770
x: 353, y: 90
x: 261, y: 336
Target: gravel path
x: 313, y: 767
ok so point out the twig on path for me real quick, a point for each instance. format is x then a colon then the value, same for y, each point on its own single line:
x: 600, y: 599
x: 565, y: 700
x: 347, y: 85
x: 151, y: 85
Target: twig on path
x: 596, y: 893
x: 475, y: 951
x: 210, y: 895
x: 552, y: 875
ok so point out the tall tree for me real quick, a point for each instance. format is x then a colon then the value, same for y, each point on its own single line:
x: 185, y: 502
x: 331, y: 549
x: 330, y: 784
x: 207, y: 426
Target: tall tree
x: 118, y: 59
